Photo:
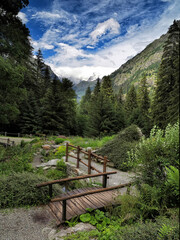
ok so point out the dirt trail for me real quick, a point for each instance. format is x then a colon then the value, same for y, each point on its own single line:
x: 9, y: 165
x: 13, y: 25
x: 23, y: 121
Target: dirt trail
x: 16, y: 140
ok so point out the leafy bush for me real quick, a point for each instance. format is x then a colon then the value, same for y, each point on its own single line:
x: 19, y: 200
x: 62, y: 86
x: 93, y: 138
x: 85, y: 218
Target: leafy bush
x: 16, y: 159
x: 59, y: 140
x: 117, y: 149
x: 61, y: 151
x: 61, y: 166
x: 161, y: 149
x: 173, y: 179
x: 19, y: 189
x: 148, y: 230
x: 55, y: 174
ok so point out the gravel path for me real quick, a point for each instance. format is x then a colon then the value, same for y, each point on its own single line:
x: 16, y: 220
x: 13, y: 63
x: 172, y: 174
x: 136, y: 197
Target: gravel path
x: 115, y: 179
x: 25, y: 224
x: 15, y: 139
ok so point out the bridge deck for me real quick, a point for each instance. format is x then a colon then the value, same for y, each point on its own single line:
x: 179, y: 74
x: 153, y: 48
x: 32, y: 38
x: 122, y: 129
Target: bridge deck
x: 77, y: 206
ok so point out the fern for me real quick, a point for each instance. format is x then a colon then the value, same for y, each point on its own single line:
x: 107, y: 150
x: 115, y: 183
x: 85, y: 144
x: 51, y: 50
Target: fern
x: 164, y: 231
x: 173, y: 179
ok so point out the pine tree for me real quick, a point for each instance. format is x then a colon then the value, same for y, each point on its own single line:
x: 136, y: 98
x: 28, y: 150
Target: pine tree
x: 106, y: 87
x: 143, y: 120
x: 166, y: 101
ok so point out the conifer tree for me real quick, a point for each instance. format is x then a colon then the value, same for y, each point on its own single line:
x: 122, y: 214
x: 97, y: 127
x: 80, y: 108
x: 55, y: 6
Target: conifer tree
x: 166, y: 100
x: 131, y: 106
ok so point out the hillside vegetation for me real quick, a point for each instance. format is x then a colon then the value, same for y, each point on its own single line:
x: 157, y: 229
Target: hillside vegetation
x: 146, y: 62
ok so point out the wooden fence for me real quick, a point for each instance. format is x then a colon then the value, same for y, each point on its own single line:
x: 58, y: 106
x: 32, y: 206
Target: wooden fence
x: 90, y: 155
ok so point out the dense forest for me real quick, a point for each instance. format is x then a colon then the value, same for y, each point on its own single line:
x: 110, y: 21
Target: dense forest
x: 32, y: 102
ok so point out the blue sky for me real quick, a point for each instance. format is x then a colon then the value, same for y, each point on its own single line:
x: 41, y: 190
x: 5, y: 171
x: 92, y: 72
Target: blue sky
x: 84, y: 38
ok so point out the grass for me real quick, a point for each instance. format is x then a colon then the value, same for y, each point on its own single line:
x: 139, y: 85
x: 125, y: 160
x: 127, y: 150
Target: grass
x: 90, y: 142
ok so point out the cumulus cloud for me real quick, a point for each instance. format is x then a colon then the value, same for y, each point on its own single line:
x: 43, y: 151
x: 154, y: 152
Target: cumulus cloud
x: 111, y: 26
x: 85, y: 43
x: 23, y: 17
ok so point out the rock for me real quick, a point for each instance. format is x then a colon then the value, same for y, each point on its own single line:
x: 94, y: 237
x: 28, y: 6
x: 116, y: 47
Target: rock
x: 46, y: 168
x: 80, y: 227
x: 46, y: 147
x: 51, y: 234
x: 110, y: 164
x: 50, y: 163
x: 55, y: 146
x: 61, y: 136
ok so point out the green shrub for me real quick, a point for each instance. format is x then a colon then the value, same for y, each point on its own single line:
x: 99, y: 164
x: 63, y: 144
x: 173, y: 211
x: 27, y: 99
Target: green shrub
x: 149, y: 230
x: 55, y: 174
x: 161, y: 149
x: 117, y: 149
x: 59, y: 140
x: 16, y: 159
x: 61, y: 166
x: 19, y: 189
x: 61, y: 151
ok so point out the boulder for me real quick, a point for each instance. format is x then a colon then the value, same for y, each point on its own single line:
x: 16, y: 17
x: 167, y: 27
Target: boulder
x: 50, y: 163
x: 46, y: 147
x: 80, y: 227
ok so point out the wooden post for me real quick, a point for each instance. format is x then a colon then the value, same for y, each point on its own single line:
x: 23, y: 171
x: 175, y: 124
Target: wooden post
x: 64, y: 211
x: 5, y: 134
x: 89, y: 161
x: 104, y: 170
x: 67, y: 152
x: 18, y: 134
x: 78, y: 152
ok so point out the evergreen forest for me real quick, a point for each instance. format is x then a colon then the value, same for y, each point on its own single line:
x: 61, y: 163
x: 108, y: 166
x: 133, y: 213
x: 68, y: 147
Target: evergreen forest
x: 137, y: 130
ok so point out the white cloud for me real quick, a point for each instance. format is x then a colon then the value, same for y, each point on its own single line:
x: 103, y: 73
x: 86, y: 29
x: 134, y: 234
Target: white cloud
x: 41, y: 45
x: 23, y: 17
x: 70, y: 60
x: 81, y: 73
x: 110, y: 25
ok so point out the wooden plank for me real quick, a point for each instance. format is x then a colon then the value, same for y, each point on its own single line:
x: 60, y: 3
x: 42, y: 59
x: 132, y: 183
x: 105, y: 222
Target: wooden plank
x: 82, y: 201
x: 75, y: 178
x: 91, y: 192
x: 75, y: 205
x: 56, y: 211
x: 58, y: 222
x: 87, y: 201
x: 97, y: 201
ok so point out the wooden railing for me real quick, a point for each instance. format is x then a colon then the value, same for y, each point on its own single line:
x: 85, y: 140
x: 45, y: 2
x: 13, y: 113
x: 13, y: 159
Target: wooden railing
x: 90, y: 154
x: 50, y: 183
x: 65, y: 198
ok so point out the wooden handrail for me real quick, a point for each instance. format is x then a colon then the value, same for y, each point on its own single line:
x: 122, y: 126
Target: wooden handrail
x: 90, y: 192
x: 75, y: 178
x: 93, y: 168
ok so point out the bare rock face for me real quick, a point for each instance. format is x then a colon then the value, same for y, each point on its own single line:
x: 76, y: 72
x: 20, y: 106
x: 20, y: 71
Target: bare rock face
x: 80, y: 227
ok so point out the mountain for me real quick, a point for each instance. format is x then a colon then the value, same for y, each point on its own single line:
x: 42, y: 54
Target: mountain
x: 81, y: 87
x: 146, y: 62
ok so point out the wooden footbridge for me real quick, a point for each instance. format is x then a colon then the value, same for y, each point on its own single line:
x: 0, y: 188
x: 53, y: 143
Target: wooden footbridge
x: 75, y: 202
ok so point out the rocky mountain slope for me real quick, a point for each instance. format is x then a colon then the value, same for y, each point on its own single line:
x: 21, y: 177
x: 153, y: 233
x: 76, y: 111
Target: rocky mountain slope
x: 81, y: 87
x: 146, y: 62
